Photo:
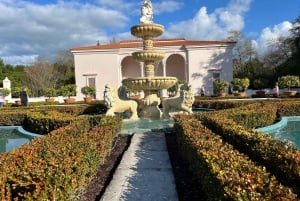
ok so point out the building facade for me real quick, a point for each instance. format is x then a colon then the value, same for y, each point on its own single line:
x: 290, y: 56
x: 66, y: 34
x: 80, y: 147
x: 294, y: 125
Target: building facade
x: 197, y: 62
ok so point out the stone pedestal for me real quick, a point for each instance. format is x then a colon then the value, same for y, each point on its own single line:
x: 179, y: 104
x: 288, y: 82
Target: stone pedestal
x: 152, y: 112
x: 148, y: 106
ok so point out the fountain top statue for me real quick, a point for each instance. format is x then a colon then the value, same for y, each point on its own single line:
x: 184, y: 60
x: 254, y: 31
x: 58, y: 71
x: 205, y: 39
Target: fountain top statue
x: 146, y: 13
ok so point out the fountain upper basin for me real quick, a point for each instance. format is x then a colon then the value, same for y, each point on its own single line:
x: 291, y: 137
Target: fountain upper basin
x: 150, y: 83
x: 150, y: 30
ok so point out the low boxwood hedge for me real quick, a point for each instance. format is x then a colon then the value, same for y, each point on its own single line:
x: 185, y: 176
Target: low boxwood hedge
x: 225, y: 173
x: 58, y: 165
x: 281, y: 158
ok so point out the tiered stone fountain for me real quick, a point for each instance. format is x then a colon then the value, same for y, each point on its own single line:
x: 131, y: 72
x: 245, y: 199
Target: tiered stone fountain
x: 149, y: 83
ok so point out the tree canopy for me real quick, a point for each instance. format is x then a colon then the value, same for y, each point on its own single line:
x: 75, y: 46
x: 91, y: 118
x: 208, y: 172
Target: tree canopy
x: 41, y: 74
x: 282, y: 58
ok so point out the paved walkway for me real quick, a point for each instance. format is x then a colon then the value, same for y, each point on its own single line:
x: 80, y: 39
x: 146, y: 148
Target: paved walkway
x: 145, y: 172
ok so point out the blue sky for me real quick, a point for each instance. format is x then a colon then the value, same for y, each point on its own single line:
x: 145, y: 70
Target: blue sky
x: 41, y: 28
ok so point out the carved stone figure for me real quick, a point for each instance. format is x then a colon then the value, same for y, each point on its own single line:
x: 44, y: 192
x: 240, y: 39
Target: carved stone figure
x: 146, y: 13
x: 115, y: 104
x: 182, y: 102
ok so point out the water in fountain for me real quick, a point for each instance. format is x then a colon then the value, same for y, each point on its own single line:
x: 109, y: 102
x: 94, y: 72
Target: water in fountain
x: 14, y: 136
x: 288, y: 130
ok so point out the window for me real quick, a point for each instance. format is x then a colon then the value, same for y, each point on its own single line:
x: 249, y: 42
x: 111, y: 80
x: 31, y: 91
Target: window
x: 92, y: 82
x: 216, y: 76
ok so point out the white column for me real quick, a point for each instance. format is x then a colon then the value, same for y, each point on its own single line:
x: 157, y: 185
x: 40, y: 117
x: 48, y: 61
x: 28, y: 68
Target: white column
x: 164, y: 67
x: 187, y: 72
x: 164, y: 92
x: 142, y: 69
x: 142, y: 94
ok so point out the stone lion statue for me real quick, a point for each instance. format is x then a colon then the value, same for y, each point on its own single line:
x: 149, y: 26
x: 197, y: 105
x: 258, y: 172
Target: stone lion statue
x: 115, y: 104
x: 183, y: 101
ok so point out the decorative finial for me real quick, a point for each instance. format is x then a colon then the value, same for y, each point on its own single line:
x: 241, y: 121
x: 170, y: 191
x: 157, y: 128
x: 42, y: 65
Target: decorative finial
x: 146, y: 13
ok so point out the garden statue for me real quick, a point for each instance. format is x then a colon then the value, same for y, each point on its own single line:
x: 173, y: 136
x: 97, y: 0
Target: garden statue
x: 146, y: 13
x: 115, y: 104
x: 182, y: 102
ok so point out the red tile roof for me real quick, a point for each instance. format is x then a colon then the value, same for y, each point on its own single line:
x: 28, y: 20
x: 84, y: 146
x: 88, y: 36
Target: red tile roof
x: 157, y: 43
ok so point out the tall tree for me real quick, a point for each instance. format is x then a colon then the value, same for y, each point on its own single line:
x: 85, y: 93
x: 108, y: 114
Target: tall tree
x: 40, y: 75
x: 296, y: 37
x: 292, y: 65
x: 279, y: 51
x: 244, y: 50
x: 64, y: 64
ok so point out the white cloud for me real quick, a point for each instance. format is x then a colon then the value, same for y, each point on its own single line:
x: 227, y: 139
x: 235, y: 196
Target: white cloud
x: 212, y: 26
x: 216, y: 25
x: 30, y: 29
x: 270, y: 34
x: 23, y: 59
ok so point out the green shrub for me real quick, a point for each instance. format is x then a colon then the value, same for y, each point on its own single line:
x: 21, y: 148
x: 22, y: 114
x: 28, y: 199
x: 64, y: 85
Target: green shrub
x: 220, y: 86
x: 68, y: 90
x: 289, y: 81
x: 5, y: 92
x: 88, y: 91
x: 240, y: 84
x: 50, y: 92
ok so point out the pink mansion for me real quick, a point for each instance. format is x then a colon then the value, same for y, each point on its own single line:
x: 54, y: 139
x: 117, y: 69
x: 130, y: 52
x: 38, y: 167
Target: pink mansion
x: 197, y: 62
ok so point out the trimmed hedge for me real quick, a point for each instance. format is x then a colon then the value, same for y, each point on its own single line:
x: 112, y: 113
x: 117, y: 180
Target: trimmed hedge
x: 289, y: 108
x: 281, y: 158
x: 225, y: 173
x: 60, y: 164
x: 44, y: 123
x: 253, y: 115
x: 57, y: 166
x: 44, y: 119
x: 223, y: 104
x: 12, y: 117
